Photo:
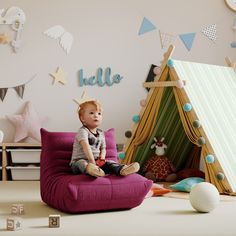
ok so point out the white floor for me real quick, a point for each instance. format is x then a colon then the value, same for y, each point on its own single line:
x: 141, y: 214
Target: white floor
x: 155, y: 216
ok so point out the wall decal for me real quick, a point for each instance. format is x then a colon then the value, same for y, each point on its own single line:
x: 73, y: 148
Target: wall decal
x: 59, y: 76
x: 166, y: 39
x: 15, y: 17
x: 187, y: 39
x: 101, y: 78
x: 210, y: 32
x: 146, y: 26
x: 65, y: 38
x: 27, y: 124
x: 18, y: 88
x: 4, y: 38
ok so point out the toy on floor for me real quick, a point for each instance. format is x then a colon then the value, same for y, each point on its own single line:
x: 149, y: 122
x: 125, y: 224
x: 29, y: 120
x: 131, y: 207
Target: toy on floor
x: 14, y: 223
x: 157, y: 190
x: 17, y: 209
x: 54, y: 221
x: 159, y: 167
x: 204, y: 197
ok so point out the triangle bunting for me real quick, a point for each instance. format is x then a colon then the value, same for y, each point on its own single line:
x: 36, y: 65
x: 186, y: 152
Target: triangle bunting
x: 210, y: 32
x: 146, y: 26
x: 166, y: 39
x: 187, y: 39
x: 20, y: 90
x: 3, y: 92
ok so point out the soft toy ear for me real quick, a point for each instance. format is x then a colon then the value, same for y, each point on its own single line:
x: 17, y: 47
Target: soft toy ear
x: 153, y: 145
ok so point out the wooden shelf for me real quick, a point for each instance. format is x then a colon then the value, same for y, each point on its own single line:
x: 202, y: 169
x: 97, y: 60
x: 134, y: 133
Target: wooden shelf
x: 5, y: 146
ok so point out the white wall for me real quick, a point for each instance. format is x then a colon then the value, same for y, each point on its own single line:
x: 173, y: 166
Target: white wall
x: 105, y: 34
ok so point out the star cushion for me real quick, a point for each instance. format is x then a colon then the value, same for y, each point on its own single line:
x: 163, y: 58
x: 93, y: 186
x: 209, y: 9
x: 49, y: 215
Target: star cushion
x: 27, y: 124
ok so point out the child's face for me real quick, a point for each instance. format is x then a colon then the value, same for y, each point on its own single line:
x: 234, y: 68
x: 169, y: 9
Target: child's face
x: 92, y: 117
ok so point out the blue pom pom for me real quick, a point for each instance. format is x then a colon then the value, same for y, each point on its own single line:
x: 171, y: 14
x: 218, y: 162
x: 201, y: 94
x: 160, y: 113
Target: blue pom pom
x: 121, y: 155
x: 210, y: 159
x: 187, y: 107
x: 170, y: 63
x: 136, y: 118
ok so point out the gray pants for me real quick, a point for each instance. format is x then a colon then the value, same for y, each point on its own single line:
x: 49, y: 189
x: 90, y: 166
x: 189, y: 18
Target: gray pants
x: 110, y: 167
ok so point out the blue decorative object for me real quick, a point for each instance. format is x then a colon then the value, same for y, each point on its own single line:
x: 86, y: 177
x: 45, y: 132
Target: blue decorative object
x: 136, y: 118
x: 170, y: 63
x: 187, y: 39
x: 220, y: 176
x: 101, y: 78
x: 210, y: 159
x: 185, y: 185
x: 121, y: 155
x: 187, y: 107
x: 146, y: 26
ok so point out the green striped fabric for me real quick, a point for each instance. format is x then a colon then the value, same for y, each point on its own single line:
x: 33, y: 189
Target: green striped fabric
x: 169, y: 126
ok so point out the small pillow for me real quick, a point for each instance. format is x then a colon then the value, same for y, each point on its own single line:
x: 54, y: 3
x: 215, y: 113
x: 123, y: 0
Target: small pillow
x: 185, y: 185
x: 187, y: 173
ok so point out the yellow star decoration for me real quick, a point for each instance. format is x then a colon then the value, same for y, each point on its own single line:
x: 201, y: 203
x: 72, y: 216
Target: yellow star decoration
x: 59, y: 76
x: 4, y: 39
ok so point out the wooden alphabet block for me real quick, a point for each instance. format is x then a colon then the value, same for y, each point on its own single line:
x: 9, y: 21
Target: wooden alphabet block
x: 54, y: 221
x: 17, y: 209
x: 14, y: 223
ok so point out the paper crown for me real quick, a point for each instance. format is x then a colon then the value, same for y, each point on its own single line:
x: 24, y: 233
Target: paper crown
x: 84, y: 98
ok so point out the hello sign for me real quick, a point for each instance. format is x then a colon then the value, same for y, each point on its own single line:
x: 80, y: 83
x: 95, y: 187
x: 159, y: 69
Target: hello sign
x: 101, y: 79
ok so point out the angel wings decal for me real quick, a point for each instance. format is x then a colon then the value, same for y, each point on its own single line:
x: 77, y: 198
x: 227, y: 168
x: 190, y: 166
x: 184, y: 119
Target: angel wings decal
x: 65, y: 38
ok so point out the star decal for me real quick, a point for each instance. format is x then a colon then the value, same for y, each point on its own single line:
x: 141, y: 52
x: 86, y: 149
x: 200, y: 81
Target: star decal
x: 59, y: 76
x: 28, y: 124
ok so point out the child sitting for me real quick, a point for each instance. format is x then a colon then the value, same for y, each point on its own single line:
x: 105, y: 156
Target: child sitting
x: 89, y: 146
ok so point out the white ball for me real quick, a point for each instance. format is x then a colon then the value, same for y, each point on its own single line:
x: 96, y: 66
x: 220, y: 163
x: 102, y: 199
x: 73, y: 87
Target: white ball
x: 204, y: 197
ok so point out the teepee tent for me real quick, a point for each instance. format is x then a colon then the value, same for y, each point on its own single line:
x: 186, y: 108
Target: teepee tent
x: 193, y: 106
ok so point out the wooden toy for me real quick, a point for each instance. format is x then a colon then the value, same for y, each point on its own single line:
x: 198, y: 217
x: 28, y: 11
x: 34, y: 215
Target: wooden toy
x: 54, y: 221
x: 17, y: 209
x: 14, y: 223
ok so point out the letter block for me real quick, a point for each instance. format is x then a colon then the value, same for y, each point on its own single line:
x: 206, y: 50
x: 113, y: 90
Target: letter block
x: 14, y: 223
x: 54, y: 221
x: 17, y: 209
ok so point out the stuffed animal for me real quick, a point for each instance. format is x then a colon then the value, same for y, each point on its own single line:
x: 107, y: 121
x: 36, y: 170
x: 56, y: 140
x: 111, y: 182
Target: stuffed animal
x: 159, y: 167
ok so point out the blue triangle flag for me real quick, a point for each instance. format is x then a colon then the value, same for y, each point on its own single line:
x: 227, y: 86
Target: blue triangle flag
x: 146, y: 26
x: 187, y: 39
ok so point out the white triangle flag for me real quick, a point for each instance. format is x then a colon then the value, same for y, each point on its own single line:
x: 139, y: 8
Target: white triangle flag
x: 210, y: 32
x: 166, y: 39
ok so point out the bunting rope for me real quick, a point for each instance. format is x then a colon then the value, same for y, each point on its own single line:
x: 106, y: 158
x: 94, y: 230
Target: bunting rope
x: 18, y: 88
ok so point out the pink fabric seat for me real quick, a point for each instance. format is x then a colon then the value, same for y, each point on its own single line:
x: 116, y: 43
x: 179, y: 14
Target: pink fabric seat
x: 63, y: 190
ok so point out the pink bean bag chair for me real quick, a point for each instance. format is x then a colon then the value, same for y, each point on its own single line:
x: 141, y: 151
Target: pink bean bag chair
x: 70, y: 193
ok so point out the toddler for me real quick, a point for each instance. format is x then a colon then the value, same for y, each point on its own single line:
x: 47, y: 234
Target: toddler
x: 89, y: 146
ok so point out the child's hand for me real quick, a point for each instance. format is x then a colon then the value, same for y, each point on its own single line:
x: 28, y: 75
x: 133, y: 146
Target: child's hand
x: 100, y: 162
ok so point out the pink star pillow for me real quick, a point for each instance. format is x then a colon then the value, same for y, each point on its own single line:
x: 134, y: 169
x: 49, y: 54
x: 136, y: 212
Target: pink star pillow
x: 27, y: 124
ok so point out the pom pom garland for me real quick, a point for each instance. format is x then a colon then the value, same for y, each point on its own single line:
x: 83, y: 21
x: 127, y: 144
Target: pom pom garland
x: 210, y: 159
x: 136, y: 118
x: 128, y: 134
x: 170, y: 63
x: 201, y: 141
x: 196, y: 124
x: 121, y: 155
x: 220, y: 176
x: 187, y: 107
